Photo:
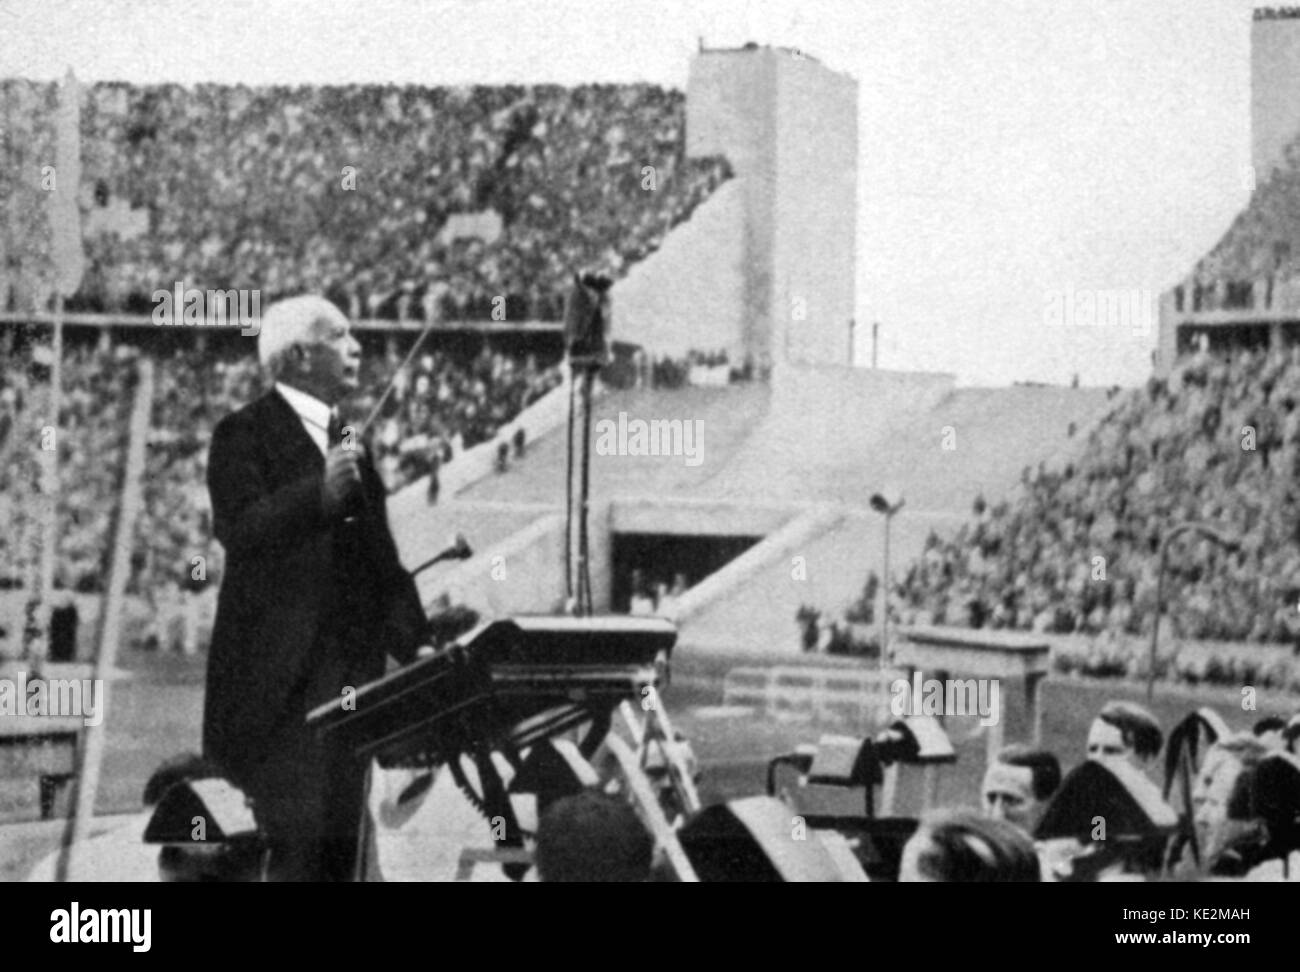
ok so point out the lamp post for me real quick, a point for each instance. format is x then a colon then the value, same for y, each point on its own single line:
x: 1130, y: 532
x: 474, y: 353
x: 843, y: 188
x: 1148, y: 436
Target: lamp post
x: 887, y: 506
x: 1210, y: 533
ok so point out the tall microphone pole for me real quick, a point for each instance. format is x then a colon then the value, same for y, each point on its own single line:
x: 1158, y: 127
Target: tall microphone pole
x: 586, y: 318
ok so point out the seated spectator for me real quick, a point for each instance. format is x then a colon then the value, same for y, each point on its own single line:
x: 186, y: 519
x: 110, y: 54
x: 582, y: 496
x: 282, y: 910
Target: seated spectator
x: 1018, y: 784
x: 593, y: 837
x: 1230, y: 833
x: 959, y: 846
x: 1269, y: 731
x: 1125, y: 730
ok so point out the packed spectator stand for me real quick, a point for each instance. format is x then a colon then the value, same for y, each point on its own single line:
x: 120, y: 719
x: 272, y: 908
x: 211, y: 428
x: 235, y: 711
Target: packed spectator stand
x: 443, y: 403
x: 396, y: 202
x: 1216, y: 442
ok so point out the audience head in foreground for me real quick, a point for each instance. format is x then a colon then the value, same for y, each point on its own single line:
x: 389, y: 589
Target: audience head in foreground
x: 1230, y: 830
x: 1125, y: 730
x: 593, y: 837
x: 1018, y: 785
x: 206, y: 854
x: 962, y: 846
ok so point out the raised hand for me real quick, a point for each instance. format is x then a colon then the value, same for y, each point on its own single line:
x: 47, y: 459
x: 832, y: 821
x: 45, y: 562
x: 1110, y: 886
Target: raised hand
x: 342, y: 481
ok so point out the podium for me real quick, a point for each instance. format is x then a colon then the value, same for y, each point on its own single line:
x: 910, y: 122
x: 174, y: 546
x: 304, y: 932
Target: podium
x: 943, y: 653
x: 513, y: 696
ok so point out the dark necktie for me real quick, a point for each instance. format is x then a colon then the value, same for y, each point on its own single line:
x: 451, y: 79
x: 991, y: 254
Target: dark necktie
x: 334, y: 438
x: 334, y: 430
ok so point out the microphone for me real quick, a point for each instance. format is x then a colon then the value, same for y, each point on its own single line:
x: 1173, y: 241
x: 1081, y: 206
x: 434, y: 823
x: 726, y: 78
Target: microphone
x: 586, y: 320
x: 459, y: 549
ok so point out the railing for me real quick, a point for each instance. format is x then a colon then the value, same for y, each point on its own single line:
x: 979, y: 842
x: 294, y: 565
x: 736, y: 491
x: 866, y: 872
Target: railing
x: 807, y: 693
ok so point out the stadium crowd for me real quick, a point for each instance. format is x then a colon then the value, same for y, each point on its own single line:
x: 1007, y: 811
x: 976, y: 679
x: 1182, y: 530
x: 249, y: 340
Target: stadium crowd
x: 1078, y: 550
x: 442, y: 404
x: 395, y: 202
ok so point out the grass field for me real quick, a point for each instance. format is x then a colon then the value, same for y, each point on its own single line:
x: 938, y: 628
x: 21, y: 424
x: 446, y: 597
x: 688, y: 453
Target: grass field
x: 156, y: 711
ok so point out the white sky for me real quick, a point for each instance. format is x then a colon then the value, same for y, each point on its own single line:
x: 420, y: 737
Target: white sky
x: 1009, y: 148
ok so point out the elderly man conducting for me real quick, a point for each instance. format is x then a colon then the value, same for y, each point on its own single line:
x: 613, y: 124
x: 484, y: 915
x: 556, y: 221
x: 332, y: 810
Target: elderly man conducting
x: 312, y: 597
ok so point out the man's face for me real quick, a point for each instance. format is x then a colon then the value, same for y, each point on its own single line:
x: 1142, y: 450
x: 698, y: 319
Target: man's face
x: 1107, y: 742
x: 1009, y: 795
x: 1210, y: 796
x: 331, y: 366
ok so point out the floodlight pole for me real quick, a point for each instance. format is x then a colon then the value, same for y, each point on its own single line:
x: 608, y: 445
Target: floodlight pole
x: 884, y: 614
x: 881, y: 505
x: 1210, y: 533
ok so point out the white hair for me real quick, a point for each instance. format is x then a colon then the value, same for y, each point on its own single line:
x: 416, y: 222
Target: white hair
x: 291, y: 322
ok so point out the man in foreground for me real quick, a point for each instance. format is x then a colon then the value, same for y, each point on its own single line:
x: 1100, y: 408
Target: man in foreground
x: 312, y: 596
x: 1018, y: 784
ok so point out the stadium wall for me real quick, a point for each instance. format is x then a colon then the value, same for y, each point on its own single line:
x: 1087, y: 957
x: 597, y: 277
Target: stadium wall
x: 730, y: 99
x: 835, y: 404
x: 816, y: 211
x: 788, y: 126
x: 690, y: 293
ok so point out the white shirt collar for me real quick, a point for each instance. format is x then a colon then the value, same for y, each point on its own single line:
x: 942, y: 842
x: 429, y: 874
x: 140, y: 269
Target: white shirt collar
x: 314, y: 413
x: 307, y: 406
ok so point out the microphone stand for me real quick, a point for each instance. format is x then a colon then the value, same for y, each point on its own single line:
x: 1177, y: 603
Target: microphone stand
x: 459, y: 550
x: 586, y: 317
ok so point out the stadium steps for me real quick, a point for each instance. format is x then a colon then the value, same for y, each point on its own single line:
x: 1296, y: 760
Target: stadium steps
x: 997, y: 432
x: 729, y: 415
x: 748, y: 607
x: 814, y: 443
x: 753, y: 452
x: 752, y: 455
x: 898, y: 444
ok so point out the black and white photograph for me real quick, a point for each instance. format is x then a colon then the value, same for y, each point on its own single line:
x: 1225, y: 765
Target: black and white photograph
x: 491, y: 441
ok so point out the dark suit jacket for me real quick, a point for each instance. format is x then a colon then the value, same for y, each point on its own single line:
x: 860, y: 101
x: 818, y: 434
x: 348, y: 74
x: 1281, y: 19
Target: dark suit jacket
x: 307, y: 606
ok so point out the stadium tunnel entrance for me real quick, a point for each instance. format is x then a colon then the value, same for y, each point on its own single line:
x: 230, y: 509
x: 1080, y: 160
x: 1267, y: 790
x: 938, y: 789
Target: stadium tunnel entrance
x: 648, y: 568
